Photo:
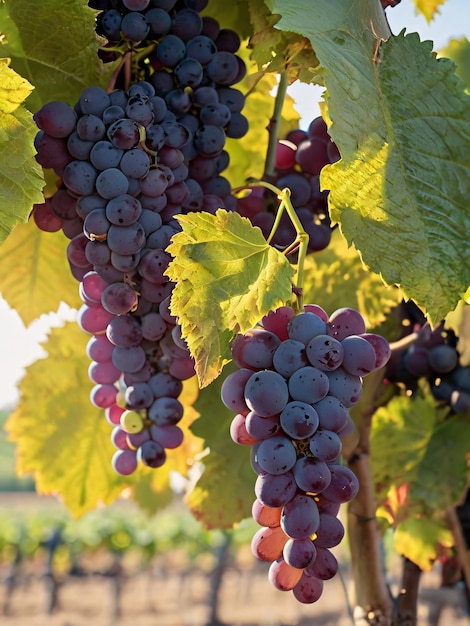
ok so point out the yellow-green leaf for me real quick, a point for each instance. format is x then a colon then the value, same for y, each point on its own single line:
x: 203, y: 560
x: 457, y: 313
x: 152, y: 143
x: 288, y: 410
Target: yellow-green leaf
x: 227, y: 277
x: 21, y: 178
x: 35, y: 276
x: 419, y: 538
x: 13, y: 88
x: 61, y: 438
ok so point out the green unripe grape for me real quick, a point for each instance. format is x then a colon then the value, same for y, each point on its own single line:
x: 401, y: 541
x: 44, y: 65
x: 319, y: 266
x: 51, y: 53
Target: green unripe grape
x: 121, y: 400
x: 132, y: 422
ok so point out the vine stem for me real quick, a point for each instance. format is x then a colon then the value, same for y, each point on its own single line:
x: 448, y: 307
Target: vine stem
x: 460, y: 543
x: 273, y: 127
x: 124, y: 62
x: 372, y: 596
x: 407, y: 602
x: 302, y: 238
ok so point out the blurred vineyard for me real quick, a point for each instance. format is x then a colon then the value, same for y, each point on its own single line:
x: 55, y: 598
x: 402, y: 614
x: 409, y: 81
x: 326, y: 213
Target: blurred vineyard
x: 118, y: 566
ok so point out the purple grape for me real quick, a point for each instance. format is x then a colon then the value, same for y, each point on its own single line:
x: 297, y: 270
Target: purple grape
x: 151, y: 454
x: 300, y: 517
x: 266, y: 393
x: 304, y: 326
x: 325, y: 445
x: 275, y: 490
x: 308, y: 384
x: 325, y: 353
x: 311, y: 475
x: 57, y: 119
x: 299, y: 420
x: 124, y: 462
x: 276, y: 455
x: 299, y: 553
x: 359, y: 356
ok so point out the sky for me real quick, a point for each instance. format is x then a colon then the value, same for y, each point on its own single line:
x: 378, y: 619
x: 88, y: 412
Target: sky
x: 20, y: 346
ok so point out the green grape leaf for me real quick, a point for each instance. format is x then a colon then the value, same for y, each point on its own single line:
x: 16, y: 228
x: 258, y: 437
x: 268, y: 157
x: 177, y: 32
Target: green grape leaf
x: 21, y: 179
x: 410, y: 437
x: 448, y: 447
x: 459, y: 51
x: 419, y: 539
x: 227, y: 277
x: 35, y: 275
x: 221, y: 496
x: 400, y: 191
x: 428, y: 8
x: 337, y: 275
x: 277, y: 51
x: 53, y: 45
x: 61, y: 438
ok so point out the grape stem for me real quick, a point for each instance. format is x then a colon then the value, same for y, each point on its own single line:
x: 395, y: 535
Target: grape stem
x: 273, y: 128
x: 125, y: 63
x: 302, y: 238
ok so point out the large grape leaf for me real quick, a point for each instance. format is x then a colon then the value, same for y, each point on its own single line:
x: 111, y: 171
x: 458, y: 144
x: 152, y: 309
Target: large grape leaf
x: 35, y: 276
x: 336, y: 275
x: 60, y: 437
x: 227, y: 277
x: 400, y: 191
x: 53, y: 44
x: 277, y: 51
x: 21, y: 179
x: 220, y: 498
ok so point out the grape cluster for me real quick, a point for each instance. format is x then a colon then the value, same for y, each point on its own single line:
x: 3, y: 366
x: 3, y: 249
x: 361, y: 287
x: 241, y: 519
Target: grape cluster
x: 191, y: 63
x: 298, y: 376
x: 129, y: 160
x: 433, y: 355
x: 299, y: 160
x: 122, y: 180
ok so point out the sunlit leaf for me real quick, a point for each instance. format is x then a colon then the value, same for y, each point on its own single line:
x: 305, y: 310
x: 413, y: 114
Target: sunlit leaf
x: 35, y: 276
x: 459, y: 51
x: 227, y: 277
x: 21, y: 178
x: 409, y: 439
x: 400, y: 191
x: 61, y: 438
x: 419, y: 539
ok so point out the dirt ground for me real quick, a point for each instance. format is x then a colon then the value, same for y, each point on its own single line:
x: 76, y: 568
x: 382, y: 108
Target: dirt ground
x: 170, y: 594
